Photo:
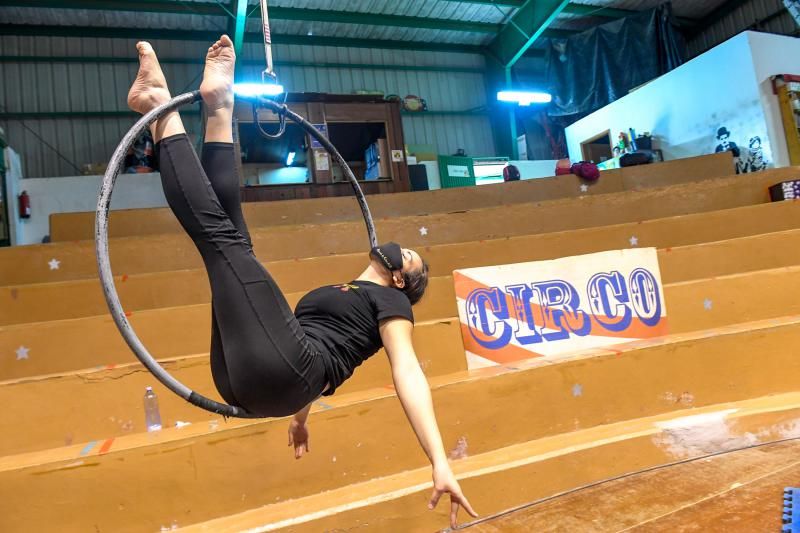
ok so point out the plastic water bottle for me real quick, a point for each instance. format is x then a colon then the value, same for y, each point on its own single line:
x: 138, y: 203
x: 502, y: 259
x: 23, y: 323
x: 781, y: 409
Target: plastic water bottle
x: 152, y: 418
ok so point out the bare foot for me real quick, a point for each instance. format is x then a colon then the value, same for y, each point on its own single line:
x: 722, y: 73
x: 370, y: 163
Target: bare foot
x: 217, y: 86
x: 149, y: 89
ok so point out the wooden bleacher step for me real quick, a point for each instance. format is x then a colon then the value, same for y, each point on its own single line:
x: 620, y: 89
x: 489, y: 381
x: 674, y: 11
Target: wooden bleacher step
x: 31, y: 264
x: 53, y: 301
x: 529, y: 471
x: 212, y: 464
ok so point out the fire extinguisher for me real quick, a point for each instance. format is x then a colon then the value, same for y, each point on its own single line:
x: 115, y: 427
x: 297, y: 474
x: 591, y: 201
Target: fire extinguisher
x: 24, y: 205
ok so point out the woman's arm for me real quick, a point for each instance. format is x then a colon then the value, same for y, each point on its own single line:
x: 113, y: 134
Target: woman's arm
x: 298, y: 432
x: 415, y: 397
x: 302, y: 415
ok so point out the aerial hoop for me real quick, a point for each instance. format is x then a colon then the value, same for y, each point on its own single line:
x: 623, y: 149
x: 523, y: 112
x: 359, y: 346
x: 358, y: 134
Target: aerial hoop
x: 101, y: 237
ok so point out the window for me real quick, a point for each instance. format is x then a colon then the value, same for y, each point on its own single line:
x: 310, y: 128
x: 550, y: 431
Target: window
x: 273, y: 162
x: 364, y: 147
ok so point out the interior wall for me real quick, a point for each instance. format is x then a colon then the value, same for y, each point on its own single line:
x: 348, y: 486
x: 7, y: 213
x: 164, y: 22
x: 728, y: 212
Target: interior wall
x: 75, y: 194
x: 529, y: 170
x: 772, y: 55
x: 62, y: 115
x: 686, y: 108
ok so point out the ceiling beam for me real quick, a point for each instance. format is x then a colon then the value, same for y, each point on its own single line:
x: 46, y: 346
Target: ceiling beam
x: 183, y: 7
x: 245, y: 62
x: 374, y: 19
x: 501, y: 3
x: 527, y: 25
x: 572, y: 9
x: 178, y: 7
x: 585, y: 10
x: 211, y: 36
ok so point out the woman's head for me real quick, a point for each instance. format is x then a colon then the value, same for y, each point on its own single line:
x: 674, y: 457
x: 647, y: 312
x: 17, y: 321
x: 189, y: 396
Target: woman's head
x: 408, y: 271
x: 414, y: 276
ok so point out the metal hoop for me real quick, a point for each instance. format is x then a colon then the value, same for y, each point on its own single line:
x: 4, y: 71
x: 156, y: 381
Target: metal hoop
x: 101, y: 240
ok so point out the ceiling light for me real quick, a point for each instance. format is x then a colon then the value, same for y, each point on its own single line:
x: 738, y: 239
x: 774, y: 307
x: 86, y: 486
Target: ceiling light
x: 257, y: 89
x: 525, y: 98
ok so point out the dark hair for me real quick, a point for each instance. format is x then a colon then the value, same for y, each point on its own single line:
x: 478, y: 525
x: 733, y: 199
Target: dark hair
x: 415, y: 283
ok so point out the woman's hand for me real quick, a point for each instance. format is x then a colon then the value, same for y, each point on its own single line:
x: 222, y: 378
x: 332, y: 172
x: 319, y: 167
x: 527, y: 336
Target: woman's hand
x: 298, y: 436
x: 444, y: 481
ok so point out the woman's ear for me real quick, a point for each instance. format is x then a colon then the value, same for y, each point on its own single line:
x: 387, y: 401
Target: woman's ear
x: 398, y: 279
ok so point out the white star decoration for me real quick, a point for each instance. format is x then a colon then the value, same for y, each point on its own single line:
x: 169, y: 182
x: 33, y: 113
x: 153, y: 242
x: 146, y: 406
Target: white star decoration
x: 708, y: 304
x: 634, y: 241
x: 22, y: 353
x: 423, y: 231
x: 584, y: 188
x: 577, y: 390
x: 54, y: 264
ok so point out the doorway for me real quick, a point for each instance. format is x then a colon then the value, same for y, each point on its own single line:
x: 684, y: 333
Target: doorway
x: 598, y: 148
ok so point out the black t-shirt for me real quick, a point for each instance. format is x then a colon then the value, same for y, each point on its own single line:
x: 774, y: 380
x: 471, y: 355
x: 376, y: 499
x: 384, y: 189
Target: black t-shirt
x: 342, y: 321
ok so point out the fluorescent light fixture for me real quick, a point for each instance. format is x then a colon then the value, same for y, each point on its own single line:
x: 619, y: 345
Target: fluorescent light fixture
x: 290, y: 159
x: 524, y: 98
x: 257, y: 89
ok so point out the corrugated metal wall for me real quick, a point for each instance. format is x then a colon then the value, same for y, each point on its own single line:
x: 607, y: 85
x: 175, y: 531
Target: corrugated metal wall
x: 59, y: 146
x: 759, y: 15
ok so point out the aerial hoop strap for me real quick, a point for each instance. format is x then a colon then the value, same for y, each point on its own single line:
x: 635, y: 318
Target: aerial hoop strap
x: 101, y: 240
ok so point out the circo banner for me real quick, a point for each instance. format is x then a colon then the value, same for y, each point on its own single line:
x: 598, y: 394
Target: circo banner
x: 552, y: 308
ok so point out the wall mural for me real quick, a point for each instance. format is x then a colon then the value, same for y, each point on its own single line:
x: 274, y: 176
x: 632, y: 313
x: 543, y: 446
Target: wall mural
x: 747, y: 159
x: 755, y: 159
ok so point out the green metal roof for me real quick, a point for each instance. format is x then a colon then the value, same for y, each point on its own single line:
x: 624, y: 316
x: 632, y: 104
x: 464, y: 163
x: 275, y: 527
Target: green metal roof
x: 441, y: 25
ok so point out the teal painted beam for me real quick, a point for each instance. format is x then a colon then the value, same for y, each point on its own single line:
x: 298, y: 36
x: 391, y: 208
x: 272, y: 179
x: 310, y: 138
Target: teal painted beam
x: 239, y: 10
x: 246, y: 62
x: 182, y: 7
x: 210, y: 36
x: 524, y: 28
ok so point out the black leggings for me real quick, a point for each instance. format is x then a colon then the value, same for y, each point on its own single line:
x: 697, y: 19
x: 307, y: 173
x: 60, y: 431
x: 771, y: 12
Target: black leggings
x: 261, y: 359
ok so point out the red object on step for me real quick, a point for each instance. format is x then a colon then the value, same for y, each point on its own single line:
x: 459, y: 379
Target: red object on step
x: 586, y: 170
x: 563, y: 166
x: 24, y: 205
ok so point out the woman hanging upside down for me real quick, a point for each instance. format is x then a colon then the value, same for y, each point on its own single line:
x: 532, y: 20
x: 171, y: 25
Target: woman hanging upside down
x: 264, y: 358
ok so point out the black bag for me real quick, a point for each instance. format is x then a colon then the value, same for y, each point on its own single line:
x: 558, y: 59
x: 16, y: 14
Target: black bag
x: 636, y: 158
x: 511, y: 173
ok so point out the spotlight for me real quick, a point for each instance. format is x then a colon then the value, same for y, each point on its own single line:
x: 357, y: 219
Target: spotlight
x: 524, y: 98
x: 290, y: 159
x: 257, y: 89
